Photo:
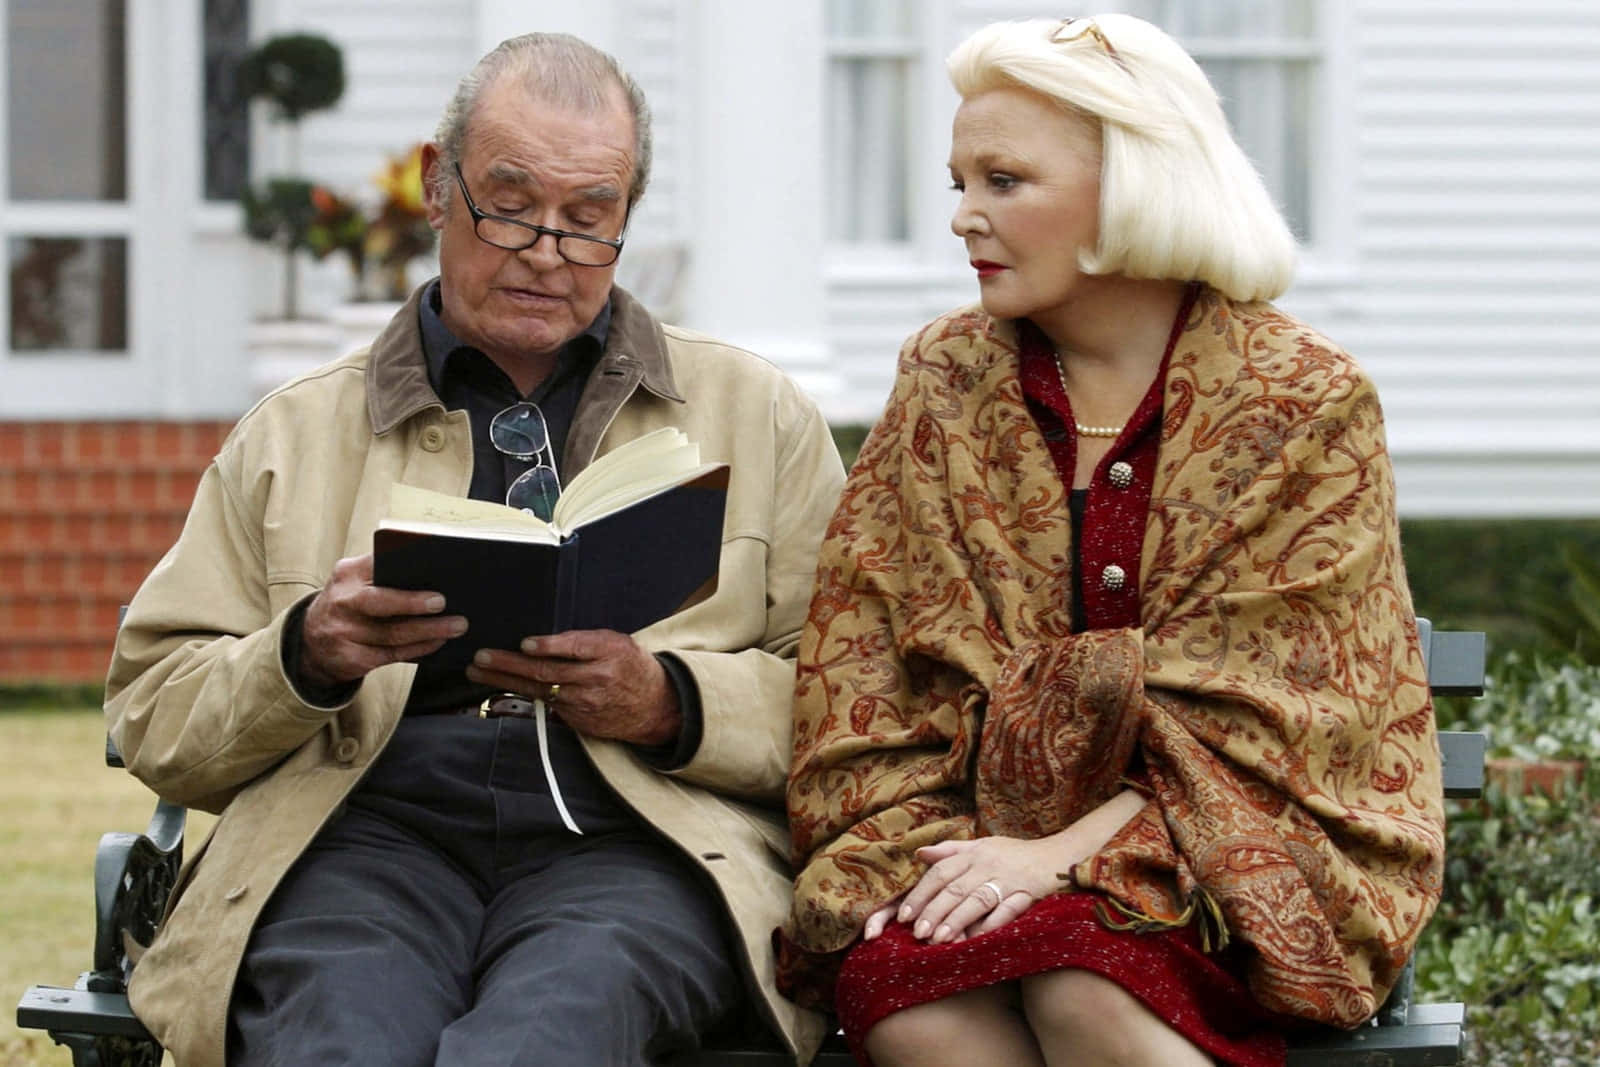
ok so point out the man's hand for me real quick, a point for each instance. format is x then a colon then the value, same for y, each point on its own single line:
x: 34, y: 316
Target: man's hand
x: 353, y: 626
x: 608, y: 685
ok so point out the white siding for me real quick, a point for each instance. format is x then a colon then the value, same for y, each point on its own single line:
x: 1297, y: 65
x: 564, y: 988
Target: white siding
x: 402, y: 61
x: 1457, y: 195
x: 1478, y: 248
x: 1461, y: 160
x: 656, y: 51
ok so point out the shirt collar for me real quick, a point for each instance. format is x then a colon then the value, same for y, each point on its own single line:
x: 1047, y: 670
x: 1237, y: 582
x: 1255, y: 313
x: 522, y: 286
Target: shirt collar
x: 439, y: 343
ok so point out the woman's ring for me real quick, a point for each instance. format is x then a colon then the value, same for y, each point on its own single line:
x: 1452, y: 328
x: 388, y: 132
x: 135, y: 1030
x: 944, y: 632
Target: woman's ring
x: 998, y: 896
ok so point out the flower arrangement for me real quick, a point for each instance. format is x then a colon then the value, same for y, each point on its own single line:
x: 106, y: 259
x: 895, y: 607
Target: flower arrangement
x: 399, y: 230
x: 379, y: 243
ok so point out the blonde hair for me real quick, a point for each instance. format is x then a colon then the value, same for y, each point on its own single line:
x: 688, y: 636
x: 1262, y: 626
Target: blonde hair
x: 1178, y: 198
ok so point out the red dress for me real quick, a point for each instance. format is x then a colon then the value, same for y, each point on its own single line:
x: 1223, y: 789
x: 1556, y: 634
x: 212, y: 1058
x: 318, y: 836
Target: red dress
x: 1201, y: 995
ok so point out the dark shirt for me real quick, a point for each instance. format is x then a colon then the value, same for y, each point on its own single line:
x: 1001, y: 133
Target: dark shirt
x: 466, y: 378
x: 1077, y: 501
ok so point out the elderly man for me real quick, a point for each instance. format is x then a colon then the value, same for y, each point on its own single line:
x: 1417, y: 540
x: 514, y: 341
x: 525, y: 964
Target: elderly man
x: 392, y: 879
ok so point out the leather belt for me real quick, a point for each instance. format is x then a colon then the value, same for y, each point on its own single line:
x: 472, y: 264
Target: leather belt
x: 503, y: 706
x: 515, y: 706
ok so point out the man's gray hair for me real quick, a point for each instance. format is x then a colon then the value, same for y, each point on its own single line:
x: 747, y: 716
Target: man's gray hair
x: 554, y: 67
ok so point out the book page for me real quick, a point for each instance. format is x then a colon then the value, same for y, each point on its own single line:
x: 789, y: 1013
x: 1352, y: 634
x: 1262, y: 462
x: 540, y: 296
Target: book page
x: 633, y: 471
x: 630, y: 472
x: 649, y: 484
x: 423, y: 510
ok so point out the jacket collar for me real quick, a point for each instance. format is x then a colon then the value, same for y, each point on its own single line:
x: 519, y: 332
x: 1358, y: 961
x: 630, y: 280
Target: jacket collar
x: 397, y: 372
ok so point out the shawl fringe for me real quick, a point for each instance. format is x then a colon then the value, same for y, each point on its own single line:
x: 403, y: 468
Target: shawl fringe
x: 1202, y: 909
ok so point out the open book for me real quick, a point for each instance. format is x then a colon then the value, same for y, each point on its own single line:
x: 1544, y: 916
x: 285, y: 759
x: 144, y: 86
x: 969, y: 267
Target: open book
x: 635, y: 537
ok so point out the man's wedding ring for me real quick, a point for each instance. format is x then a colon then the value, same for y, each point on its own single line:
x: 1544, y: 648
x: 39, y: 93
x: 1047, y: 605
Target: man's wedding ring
x: 998, y: 896
x: 550, y: 697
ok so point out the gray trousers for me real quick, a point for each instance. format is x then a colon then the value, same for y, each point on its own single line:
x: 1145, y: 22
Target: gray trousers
x: 446, y: 917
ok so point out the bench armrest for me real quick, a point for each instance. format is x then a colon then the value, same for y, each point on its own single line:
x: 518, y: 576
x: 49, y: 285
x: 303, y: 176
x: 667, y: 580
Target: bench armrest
x: 134, y: 874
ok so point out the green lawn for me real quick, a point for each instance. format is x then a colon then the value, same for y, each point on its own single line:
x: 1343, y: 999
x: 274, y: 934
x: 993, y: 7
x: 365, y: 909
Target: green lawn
x: 58, y: 797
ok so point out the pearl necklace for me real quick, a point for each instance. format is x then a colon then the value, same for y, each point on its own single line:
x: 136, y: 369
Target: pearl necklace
x: 1085, y: 431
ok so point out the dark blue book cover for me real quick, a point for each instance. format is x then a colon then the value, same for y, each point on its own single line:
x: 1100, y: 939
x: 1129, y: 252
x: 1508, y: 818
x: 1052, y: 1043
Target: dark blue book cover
x: 621, y: 571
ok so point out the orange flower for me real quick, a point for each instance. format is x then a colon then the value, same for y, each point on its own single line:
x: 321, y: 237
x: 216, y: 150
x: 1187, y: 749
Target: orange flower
x: 401, y: 182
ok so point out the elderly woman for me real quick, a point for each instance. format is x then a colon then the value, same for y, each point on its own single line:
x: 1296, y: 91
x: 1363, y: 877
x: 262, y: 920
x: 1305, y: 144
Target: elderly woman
x: 1113, y: 742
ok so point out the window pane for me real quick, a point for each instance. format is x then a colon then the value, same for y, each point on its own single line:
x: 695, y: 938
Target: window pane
x: 1269, y: 106
x: 227, y: 162
x: 849, y: 19
x: 68, y: 83
x: 868, y: 122
x: 69, y: 293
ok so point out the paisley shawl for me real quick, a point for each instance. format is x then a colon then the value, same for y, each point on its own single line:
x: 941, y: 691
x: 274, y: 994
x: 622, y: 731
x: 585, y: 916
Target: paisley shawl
x: 1274, y: 697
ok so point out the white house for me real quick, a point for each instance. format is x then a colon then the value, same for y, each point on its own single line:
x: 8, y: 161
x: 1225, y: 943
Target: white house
x: 1440, y: 158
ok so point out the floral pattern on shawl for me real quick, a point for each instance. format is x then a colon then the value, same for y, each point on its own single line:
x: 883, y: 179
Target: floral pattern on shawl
x: 1274, y: 696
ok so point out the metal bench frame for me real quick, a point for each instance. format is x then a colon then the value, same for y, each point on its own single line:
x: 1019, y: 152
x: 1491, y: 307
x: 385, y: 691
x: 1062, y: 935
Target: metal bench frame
x: 134, y: 875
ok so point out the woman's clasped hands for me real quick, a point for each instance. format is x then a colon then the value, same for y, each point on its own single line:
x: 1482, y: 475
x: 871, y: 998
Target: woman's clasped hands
x: 972, y: 887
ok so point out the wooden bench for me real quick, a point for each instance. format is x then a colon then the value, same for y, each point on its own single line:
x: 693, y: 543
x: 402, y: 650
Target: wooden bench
x: 135, y: 873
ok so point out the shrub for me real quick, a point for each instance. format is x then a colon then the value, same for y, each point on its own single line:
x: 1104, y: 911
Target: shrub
x: 1515, y: 937
x: 1569, y: 613
x: 1534, y: 706
x: 1517, y: 933
x: 1485, y: 574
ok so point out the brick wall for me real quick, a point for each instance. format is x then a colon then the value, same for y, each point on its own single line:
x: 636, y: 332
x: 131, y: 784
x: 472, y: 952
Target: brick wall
x: 86, y: 509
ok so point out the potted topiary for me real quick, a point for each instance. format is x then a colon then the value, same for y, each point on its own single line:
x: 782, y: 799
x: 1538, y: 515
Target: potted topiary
x: 296, y: 74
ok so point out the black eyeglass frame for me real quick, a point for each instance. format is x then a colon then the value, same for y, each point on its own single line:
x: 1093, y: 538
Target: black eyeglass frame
x: 536, y: 232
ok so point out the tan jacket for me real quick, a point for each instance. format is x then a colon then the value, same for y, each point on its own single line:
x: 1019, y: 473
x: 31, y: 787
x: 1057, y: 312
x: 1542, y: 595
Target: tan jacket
x: 201, y: 709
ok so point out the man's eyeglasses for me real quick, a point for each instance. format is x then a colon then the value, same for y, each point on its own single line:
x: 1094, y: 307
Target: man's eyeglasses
x: 520, y: 432
x: 581, y: 249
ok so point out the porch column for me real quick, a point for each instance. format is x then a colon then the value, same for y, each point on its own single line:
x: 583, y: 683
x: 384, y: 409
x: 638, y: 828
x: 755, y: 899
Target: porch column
x: 753, y: 183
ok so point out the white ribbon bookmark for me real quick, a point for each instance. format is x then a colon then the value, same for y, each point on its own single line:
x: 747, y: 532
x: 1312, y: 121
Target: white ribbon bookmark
x: 550, y: 771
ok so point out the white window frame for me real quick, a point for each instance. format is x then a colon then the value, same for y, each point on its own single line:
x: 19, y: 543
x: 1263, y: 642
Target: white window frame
x: 162, y: 126
x: 928, y: 254
x: 1327, y: 258
x: 908, y: 49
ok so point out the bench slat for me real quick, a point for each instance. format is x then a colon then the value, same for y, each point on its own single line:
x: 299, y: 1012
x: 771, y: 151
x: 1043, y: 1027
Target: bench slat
x: 1456, y: 662
x: 78, y: 1011
x: 1430, y: 1038
x: 1463, y: 752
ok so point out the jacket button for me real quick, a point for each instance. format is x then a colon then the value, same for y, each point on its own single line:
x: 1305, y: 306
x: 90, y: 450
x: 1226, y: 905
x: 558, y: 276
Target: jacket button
x: 433, y: 439
x: 1112, y: 577
x: 1121, y: 474
x: 347, y: 749
x: 236, y: 893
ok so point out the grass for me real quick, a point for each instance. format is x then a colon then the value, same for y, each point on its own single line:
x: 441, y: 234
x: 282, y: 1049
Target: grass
x: 58, y: 797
